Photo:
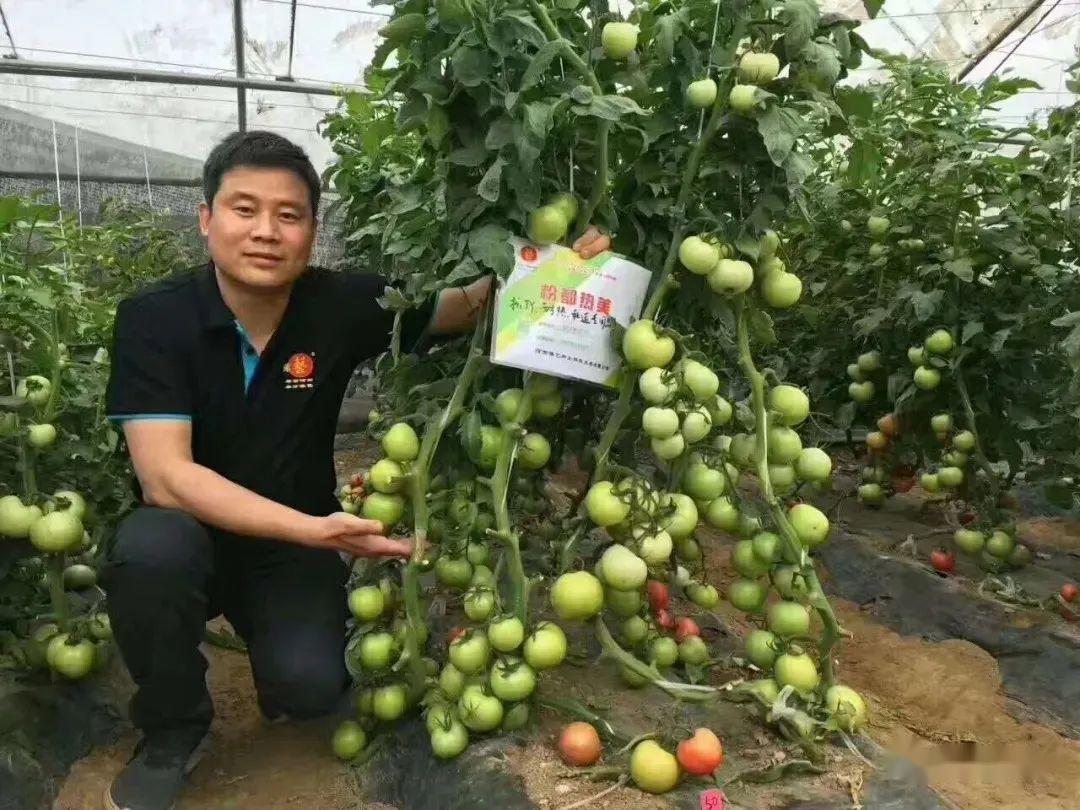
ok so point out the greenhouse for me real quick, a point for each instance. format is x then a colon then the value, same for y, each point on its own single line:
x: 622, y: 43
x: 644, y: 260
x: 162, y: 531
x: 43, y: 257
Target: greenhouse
x: 539, y: 404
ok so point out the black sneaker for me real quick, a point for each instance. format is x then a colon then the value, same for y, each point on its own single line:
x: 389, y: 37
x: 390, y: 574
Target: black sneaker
x: 155, y: 773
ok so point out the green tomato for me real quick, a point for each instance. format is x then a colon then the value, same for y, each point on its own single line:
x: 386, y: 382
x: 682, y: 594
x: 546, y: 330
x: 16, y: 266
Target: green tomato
x: 969, y: 541
x: 72, y: 660
x: 766, y: 546
x: 790, y: 403
x: 535, y: 451
x: 784, y: 445
x: 16, y: 518
x: 618, y: 39
x: 659, y: 423
x: 401, y: 443
x: 479, y: 604
x: 548, y: 405
x: 67, y: 500
x: 656, y: 386
x: 515, y: 717
x: 376, y: 651
x: 545, y: 648
x: 950, y: 477
x: 482, y: 577
x: 449, y: 740
x: 930, y: 482
x: 683, y: 520
x: 655, y: 547
x: 746, y: 562
x: 77, y: 577
x: 635, y: 630
x: 939, y: 342
x: 761, y: 649
x: 731, y: 276
x: 387, y: 476
x: 512, y: 680
x: 506, y: 634
x: 577, y: 596
x: 872, y: 494
x: 781, y: 289
x: 703, y: 483
x: 56, y: 532
x: 705, y: 596
x: 722, y: 514
x: 543, y: 385
x: 452, y: 681
x: 747, y: 595
x: 916, y: 355
x: 470, y: 652
x: 701, y: 94
x: 348, y: 741
x: 721, y: 411
x: 693, y: 651
x: 480, y: 712
x: 810, y: 524
x: 696, y: 425
x: 788, y: 619
x: 758, y: 68
x: 861, y: 392
x: 41, y: 436
x: 941, y: 423
x: 101, y: 627
x: 743, y: 98
x: 547, y: 224
x: 509, y: 402
x: 782, y: 477
x: 643, y: 348
x: 35, y: 389
x: 387, y: 509
x: 454, y: 572
x: 796, y: 669
x: 877, y: 226
x: 653, y: 769
x: 388, y: 702
x: 568, y: 205
x: 664, y: 651
x: 1000, y: 544
x: 813, y: 465
x: 846, y: 707
x: 697, y: 255
x: 477, y: 553
x: 869, y: 362
x: 964, y: 441
x: 700, y: 380
x: 688, y: 549
x: 622, y: 603
x: 1021, y: 555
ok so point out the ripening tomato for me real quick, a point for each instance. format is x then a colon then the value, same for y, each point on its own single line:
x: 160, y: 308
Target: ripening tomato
x: 579, y: 744
x: 685, y: 627
x: 659, y: 595
x: 943, y: 561
x: 701, y: 754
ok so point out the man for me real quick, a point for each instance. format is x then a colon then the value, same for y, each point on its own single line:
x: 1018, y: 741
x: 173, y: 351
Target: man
x: 227, y: 382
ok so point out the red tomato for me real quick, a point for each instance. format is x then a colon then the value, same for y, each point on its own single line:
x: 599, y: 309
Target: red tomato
x: 686, y: 627
x: 456, y: 633
x: 579, y: 744
x: 967, y: 518
x: 1069, y: 592
x: 659, y: 597
x: 665, y: 619
x: 701, y: 754
x: 903, y: 483
x: 943, y: 561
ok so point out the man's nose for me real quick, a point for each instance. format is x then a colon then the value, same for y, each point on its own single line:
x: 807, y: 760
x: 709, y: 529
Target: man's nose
x: 266, y: 227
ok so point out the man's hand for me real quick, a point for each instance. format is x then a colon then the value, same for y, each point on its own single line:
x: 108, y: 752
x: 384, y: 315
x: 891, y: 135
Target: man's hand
x: 362, y: 538
x: 591, y: 243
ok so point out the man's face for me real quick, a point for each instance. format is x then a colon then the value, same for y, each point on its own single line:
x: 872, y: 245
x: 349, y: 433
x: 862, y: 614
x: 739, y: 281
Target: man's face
x: 260, y: 227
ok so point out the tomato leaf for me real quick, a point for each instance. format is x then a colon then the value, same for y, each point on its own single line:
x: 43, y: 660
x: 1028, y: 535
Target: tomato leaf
x: 489, y: 185
x: 800, y: 20
x: 471, y: 66
x: 961, y: 268
x: 490, y: 246
x: 872, y: 7
x: 780, y: 127
x: 971, y: 329
x: 538, y: 67
x: 610, y: 107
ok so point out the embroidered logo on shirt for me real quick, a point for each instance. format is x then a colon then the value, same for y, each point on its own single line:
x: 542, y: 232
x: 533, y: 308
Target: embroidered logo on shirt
x: 300, y: 371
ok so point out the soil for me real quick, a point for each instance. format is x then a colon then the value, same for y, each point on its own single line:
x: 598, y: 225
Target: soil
x: 938, y: 703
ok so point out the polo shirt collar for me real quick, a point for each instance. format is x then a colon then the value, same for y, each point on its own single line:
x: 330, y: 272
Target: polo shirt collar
x: 214, y: 310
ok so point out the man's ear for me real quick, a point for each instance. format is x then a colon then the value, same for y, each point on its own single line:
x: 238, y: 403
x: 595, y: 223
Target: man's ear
x: 204, y: 219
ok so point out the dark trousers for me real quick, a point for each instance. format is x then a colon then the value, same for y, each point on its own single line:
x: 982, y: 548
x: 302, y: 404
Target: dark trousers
x: 167, y: 574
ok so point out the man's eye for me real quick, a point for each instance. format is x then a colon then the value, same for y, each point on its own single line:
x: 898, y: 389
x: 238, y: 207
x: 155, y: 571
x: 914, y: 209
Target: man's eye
x: 244, y: 210
x: 289, y: 216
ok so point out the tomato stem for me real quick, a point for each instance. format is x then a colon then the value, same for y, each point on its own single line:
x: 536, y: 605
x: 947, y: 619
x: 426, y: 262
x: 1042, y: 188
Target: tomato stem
x: 793, y: 547
x: 54, y: 578
x: 980, y: 456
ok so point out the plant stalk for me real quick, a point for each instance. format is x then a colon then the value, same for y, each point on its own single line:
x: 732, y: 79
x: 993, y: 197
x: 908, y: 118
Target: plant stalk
x: 793, y: 547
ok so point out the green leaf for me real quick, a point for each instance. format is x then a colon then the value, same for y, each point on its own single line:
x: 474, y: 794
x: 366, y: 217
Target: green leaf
x: 779, y: 128
x: 864, y: 162
x: 926, y: 304
x: 500, y: 133
x: 961, y: 268
x: 872, y: 7
x: 760, y: 324
x: 821, y: 60
x: 490, y: 246
x: 489, y: 186
x: 669, y: 28
x: 610, y: 108
x: 472, y: 155
x: 536, y: 123
x: 971, y: 329
x: 471, y: 66
x: 845, y: 415
x: 538, y: 67
x: 800, y: 21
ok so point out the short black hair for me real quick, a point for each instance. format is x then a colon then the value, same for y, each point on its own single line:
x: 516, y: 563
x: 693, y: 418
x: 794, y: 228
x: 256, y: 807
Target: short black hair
x: 263, y: 150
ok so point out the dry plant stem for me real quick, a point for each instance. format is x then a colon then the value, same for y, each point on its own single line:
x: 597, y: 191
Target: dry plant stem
x: 576, y: 709
x: 622, y: 780
x: 792, y: 546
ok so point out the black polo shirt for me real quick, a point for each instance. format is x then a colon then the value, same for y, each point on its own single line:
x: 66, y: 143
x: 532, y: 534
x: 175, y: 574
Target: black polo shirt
x: 265, y: 422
